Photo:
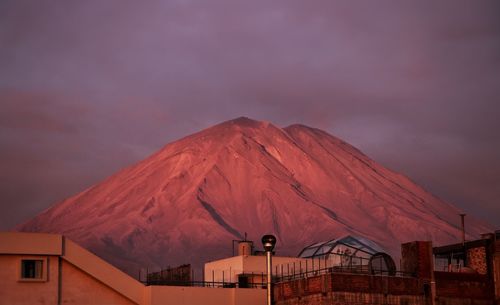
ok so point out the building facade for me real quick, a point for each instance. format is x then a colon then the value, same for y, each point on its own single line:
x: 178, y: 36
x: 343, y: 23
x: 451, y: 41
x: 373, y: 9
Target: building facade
x: 38, y: 268
x: 462, y: 274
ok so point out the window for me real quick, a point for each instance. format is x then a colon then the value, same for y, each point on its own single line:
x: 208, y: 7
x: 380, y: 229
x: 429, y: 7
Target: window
x: 32, y: 269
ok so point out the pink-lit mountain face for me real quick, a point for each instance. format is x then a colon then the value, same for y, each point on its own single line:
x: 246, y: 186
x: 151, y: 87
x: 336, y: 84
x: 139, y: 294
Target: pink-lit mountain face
x: 188, y: 201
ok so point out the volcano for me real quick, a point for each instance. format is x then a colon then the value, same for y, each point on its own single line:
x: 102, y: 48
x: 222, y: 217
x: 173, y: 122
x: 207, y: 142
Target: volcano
x: 189, y: 200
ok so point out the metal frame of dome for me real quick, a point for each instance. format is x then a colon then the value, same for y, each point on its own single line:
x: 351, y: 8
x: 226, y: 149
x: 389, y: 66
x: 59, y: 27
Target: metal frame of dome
x: 388, y: 267
x: 357, y: 243
x: 357, y: 254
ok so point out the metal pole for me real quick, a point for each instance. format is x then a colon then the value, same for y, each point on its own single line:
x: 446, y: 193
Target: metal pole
x: 462, y: 216
x: 269, y: 241
x: 269, y: 271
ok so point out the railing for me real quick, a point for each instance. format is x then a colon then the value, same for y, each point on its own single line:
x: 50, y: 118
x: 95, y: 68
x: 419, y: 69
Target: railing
x: 333, y: 263
x: 172, y: 277
x: 300, y: 268
x: 344, y: 269
x: 205, y: 284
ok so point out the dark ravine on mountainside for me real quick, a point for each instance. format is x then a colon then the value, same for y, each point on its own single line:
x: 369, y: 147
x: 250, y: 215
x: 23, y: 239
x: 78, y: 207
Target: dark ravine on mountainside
x: 185, y: 203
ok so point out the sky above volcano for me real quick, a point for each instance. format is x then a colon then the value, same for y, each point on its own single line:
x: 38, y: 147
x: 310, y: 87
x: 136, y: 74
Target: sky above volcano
x: 88, y: 87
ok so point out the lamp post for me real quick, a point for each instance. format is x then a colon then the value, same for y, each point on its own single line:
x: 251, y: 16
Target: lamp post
x: 268, y: 241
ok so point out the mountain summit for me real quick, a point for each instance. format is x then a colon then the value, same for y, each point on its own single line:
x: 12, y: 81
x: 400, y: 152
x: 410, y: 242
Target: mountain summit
x: 186, y: 202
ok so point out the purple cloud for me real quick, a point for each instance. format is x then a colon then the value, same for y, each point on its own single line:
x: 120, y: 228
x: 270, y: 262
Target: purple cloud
x: 89, y: 87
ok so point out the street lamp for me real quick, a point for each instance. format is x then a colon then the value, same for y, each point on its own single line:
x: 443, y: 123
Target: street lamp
x: 268, y: 241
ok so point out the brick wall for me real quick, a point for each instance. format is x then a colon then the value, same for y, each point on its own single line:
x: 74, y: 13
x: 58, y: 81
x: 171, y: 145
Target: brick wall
x: 476, y: 259
x: 463, y: 286
x: 417, y: 258
x: 334, y: 287
x: 449, y: 288
x: 355, y: 289
x: 496, y: 276
x: 353, y: 298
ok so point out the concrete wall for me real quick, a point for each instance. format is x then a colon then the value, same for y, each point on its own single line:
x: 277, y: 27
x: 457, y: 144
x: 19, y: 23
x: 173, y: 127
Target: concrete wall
x: 103, y: 272
x: 232, y: 266
x: 257, y: 264
x: 73, y: 275
x: 79, y: 288
x: 224, y: 270
x: 13, y: 290
x: 160, y: 295
x: 76, y: 286
x: 29, y: 243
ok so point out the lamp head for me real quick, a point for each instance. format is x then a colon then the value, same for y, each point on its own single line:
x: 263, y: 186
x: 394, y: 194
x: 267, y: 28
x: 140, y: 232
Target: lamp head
x: 268, y: 241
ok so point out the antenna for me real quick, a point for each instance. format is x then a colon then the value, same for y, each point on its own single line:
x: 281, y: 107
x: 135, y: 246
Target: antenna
x: 462, y: 216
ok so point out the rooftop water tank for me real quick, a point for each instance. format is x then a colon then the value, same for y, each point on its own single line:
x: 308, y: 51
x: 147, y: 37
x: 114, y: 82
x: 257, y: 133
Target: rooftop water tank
x: 245, y: 247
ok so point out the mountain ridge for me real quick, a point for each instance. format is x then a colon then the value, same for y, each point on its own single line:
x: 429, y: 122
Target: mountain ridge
x: 187, y: 201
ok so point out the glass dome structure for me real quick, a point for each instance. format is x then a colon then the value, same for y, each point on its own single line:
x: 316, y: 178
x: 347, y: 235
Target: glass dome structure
x: 352, y: 252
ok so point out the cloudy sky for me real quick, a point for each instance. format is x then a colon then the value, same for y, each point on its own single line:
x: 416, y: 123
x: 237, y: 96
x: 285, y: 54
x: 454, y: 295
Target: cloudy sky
x: 88, y: 87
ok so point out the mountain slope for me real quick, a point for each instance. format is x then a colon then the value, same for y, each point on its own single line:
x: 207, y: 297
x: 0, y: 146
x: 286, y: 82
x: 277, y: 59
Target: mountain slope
x: 186, y: 202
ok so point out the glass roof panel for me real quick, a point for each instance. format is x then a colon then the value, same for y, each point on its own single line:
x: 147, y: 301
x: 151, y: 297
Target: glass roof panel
x: 331, y: 243
x: 325, y: 249
x: 316, y: 244
x: 348, y: 240
x: 371, y: 244
x: 344, y: 249
x: 308, y: 252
